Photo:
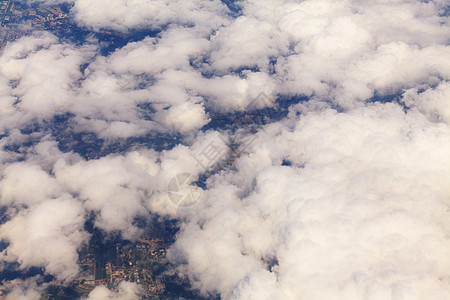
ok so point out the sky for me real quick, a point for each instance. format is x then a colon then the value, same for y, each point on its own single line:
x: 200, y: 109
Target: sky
x: 344, y: 196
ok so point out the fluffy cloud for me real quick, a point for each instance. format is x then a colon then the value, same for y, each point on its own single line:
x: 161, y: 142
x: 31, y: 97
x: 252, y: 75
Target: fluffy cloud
x: 348, y: 52
x: 360, y: 214
x: 44, y: 72
x: 42, y: 78
x: 126, y: 14
x: 27, y: 184
x: 125, y: 291
x: 432, y: 102
x: 112, y: 186
x: 40, y: 237
x: 246, y: 42
x: 27, y: 289
x: 50, y: 195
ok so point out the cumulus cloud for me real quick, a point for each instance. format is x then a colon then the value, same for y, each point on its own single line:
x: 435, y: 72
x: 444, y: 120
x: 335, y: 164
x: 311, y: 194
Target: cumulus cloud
x: 125, y: 291
x: 50, y: 198
x: 348, y: 52
x: 126, y: 14
x: 40, y: 237
x: 42, y: 73
x: 43, y: 78
x: 246, y: 42
x: 27, y: 184
x: 28, y: 289
x: 360, y: 214
x: 112, y: 186
x: 431, y: 102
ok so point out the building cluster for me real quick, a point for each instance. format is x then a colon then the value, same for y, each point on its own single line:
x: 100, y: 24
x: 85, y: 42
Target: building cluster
x: 47, y: 17
x: 18, y: 19
x: 133, y: 262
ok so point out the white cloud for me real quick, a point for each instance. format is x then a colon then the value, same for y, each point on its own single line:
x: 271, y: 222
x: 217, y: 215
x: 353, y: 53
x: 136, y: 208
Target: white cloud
x: 184, y: 117
x: 125, y: 14
x: 347, y: 51
x: 112, y: 186
x: 125, y: 291
x: 45, y: 72
x: 246, y: 42
x: 432, y: 102
x: 171, y: 49
x: 360, y: 214
x: 47, y: 235
x: 18, y: 289
x: 27, y: 184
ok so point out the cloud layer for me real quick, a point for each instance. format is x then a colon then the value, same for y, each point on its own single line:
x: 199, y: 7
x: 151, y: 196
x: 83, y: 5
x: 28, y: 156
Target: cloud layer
x: 345, y: 197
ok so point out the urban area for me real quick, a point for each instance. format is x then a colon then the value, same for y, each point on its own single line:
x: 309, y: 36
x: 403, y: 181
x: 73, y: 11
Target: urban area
x: 108, y: 263
x: 18, y: 19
